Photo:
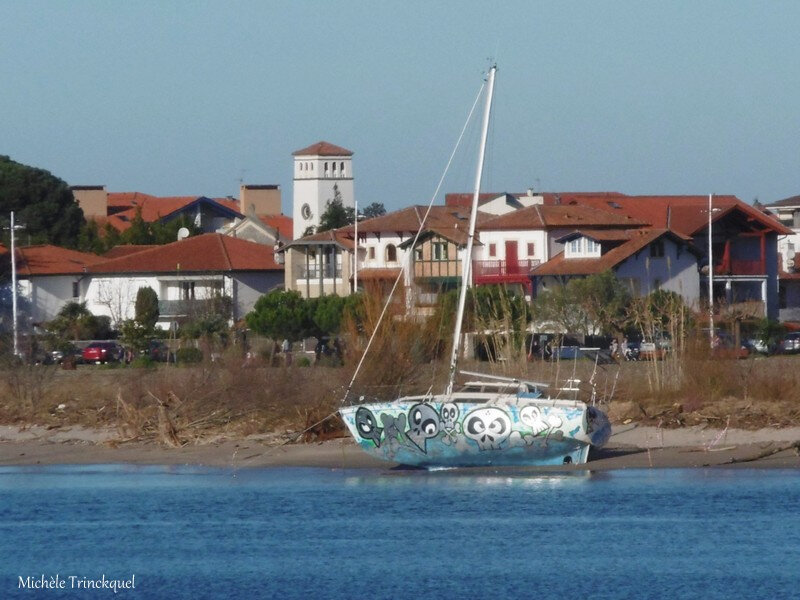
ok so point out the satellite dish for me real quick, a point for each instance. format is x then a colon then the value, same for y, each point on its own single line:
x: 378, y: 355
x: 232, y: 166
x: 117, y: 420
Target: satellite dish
x: 183, y: 233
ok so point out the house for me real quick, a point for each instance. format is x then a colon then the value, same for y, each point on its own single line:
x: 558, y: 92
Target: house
x: 744, y: 241
x: 787, y: 211
x: 119, y: 209
x: 515, y: 244
x: 644, y: 259
x: 262, y: 229
x: 189, y: 276
x: 48, y: 278
x: 323, y: 263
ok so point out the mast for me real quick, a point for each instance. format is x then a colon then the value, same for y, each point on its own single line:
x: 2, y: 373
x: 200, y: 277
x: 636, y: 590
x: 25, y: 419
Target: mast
x: 467, y: 262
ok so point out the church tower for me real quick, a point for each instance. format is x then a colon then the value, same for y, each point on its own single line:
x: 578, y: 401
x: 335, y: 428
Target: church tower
x: 316, y: 170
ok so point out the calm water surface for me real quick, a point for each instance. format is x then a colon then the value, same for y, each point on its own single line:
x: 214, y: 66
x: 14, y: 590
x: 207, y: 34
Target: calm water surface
x: 314, y: 533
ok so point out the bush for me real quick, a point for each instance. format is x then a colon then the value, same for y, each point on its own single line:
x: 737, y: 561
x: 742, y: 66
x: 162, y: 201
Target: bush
x: 303, y: 361
x: 188, y: 355
x: 142, y: 362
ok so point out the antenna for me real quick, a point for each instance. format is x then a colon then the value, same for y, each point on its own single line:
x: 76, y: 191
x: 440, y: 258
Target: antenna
x: 183, y: 233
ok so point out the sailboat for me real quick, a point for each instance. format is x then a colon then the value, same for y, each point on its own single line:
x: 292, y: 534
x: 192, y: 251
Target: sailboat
x: 492, y: 420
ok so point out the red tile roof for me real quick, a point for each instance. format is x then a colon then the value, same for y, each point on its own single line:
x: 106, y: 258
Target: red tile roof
x: 792, y: 201
x: 639, y: 238
x: 211, y: 252
x: 465, y: 200
x: 282, y: 223
x: 52, y: 260
x: 322, y: 148
x: 686, y: 215
x: 126, y: 249
x: 545, y: 216
x: 123, y: 207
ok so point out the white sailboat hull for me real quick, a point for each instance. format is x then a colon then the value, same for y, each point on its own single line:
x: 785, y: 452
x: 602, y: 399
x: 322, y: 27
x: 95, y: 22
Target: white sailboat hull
x: 462, y: 430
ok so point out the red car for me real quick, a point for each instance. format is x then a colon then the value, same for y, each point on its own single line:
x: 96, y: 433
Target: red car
x: 103, y: 352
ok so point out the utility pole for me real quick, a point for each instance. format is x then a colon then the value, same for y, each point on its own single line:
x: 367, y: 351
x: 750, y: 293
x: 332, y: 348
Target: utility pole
x: 710, y: 275
x: 13, y: 227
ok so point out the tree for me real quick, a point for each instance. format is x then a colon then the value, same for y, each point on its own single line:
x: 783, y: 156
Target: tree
x: 376, y: 209
x: 324, y: 315
x: 75, y: 322
x: 336, y: 213
x: 280, y: 315
x: 43, y: 202
x: 604, y: 300
x: 146, y: 307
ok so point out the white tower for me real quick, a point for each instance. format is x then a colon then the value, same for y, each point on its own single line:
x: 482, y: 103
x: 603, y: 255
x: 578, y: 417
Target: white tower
x: 316, y: 170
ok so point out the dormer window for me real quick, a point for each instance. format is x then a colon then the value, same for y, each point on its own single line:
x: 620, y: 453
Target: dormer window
x: 582, y: 247
x: 657, y: 249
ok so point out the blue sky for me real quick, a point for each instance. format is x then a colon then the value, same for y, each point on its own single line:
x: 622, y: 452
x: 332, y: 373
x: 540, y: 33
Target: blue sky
x: 180, y: 98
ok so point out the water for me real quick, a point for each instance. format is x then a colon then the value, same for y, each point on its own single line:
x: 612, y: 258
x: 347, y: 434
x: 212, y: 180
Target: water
x: 314, y: 533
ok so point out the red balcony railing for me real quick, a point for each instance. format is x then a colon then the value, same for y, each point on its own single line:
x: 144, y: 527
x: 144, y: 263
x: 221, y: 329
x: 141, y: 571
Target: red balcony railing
x: 500, y: 269
x: 740, y: 267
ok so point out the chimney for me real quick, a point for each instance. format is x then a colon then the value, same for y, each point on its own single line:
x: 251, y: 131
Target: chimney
x: 93, y: 200
x: 260, y: 199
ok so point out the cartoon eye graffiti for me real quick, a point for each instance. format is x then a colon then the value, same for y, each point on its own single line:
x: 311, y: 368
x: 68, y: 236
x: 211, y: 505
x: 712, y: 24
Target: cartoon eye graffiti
x: 487, y: 427
x: 367, y: 426
x: 449, y: 416
x: 424, y: 424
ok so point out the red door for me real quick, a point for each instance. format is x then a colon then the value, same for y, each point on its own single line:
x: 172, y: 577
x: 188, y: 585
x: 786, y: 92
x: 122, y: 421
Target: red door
x: 512, y: 262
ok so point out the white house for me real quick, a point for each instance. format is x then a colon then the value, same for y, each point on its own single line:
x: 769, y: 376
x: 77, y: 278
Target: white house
x: 189, y: 276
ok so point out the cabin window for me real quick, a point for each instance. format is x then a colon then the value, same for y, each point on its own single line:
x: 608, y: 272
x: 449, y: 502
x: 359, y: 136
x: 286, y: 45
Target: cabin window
x: 439, y: 250
x: 418, y: 253
x: 371, y: 252
x: 575, y: 246
x: 76, y: 289
x: 592, y: 247
x: 657, y: 249
x: 531, y: 249
x: 492, y: 250
x: 391, y: 253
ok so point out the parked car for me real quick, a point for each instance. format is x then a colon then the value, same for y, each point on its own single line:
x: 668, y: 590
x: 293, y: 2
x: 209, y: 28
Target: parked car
x: 757, y: 345
x: 791, y: 343
x: 103, y: 352
x: 158, y: 351
x: 724, y: 346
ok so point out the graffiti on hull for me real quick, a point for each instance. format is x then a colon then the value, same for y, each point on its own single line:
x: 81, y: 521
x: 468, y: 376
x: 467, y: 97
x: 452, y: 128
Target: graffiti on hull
x: 482, y: 428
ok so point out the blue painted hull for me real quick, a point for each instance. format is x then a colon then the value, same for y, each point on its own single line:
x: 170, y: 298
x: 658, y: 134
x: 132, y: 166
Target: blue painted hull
x: 447, y: 432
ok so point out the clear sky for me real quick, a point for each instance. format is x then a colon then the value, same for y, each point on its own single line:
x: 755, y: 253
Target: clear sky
x: 183, y: 98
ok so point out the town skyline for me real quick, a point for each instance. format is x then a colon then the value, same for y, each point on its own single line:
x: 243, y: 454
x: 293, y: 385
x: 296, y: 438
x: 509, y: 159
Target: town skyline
x: 183, y: 99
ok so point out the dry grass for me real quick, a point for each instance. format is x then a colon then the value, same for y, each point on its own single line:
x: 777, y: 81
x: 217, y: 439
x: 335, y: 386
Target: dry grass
x: 184, y: 405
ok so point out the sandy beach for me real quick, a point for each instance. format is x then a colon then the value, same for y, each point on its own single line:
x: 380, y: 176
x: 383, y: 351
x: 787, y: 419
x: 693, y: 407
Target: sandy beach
x: 631, y: 446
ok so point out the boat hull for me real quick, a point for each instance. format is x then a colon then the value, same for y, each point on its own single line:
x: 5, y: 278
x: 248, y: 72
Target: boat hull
x: 526, y: 432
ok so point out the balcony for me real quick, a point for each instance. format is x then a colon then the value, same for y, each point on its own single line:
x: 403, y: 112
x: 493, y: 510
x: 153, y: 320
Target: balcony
x: 503, y: 271
x: 328, y: 272
x: 185, y: 308
x: 740, y: 267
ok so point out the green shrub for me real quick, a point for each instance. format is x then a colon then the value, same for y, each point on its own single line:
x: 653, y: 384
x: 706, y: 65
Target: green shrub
x: 188, y: 355
x: 141, y: 362
x: 303, y: 361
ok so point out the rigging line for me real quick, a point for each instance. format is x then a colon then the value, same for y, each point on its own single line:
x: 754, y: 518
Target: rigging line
x: 414, y: 243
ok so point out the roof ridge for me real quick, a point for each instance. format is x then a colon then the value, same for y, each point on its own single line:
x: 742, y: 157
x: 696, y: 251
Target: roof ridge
x: 224, y: 250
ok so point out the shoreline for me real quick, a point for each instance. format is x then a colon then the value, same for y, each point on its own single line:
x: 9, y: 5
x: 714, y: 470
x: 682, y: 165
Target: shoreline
x: 631, y: 446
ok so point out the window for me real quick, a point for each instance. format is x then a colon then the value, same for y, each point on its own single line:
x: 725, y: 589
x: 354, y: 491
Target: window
x: 657, y: 249
x: 187, y: 290
x: 531, y: 249
x: 333, y: 167
x: 371, y: 252
x: 439, y: 250
x: 492, y: 250
x: 76, y: 289
x: 575, y: 246
x: 341, y: 169
x: 326, y: 169
x: 592, y: 247
x: 418, y: 253
x: 391, y: 253
x: 656, y: 284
